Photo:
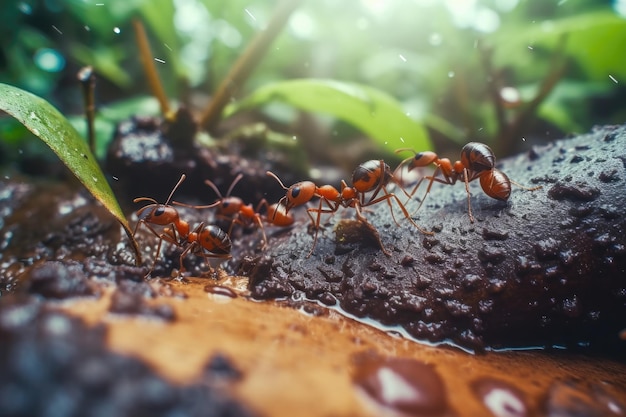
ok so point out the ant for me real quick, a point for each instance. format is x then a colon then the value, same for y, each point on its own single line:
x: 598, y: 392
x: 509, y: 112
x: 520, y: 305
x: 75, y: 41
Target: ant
x: 233, y: 208
x: 278, y: 216
x: 207, y: 241
x: 371, y: 176
x: 477, y: 161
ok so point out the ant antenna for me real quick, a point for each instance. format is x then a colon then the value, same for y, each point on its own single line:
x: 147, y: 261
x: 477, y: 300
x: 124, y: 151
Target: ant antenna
x: 230, y: 189
x: 180, y: 181
x: 271, y: 174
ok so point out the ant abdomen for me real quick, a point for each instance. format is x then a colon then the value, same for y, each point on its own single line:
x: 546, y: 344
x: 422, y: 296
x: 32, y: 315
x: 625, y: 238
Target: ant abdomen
x: 496, y: 184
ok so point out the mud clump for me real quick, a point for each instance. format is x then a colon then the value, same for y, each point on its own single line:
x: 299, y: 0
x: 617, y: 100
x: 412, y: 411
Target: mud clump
x: 546, y: 268
x: 54, y: 364
x: 148, y: 154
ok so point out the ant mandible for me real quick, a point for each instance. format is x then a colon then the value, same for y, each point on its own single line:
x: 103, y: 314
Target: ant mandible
x: 207, y: 241
x: 477, y: 161
x: 371, y: 176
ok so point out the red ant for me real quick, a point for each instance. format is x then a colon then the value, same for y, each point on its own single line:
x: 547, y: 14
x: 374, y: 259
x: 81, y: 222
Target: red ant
x: 207, y: 241
x: 233, y: 208
x: 477, y: 161
x: 371, y: 176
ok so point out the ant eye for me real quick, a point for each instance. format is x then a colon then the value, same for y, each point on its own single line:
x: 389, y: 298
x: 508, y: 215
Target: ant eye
x: 295, y: 192
x: 225, y: 204
x: 159, y: 211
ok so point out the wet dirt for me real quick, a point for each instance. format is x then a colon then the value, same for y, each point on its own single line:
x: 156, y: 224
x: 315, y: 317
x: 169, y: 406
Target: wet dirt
x: 55, y: 364
x: 547, y: 268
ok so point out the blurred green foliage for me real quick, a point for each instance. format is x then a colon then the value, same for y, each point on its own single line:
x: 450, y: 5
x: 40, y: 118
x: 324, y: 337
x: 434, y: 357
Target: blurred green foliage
x: 445, y: 61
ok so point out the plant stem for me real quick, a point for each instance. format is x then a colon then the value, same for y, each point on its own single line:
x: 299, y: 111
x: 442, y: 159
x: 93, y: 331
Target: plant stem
x: 246, y: 63
x: 150, y: 69
x: 88, y: 82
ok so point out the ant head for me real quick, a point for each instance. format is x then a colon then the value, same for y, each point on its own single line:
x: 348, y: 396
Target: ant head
x: 298, y: 194
x: 419, y: 159
x: 158, y: 214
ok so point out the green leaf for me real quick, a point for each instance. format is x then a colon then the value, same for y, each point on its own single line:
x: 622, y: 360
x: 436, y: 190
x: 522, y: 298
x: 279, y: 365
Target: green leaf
x: 569, y: 104
x: 372, y: 111
x: 49, y: 125
x: 589, y: 37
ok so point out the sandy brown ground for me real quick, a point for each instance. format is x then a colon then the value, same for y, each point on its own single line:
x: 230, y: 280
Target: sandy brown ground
x: 301, y: 364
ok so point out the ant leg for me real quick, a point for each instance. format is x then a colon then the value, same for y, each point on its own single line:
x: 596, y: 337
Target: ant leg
x: 524, y: 187
x: 181, y: 266
x: 154, y: 261
x: 404, y: 210
x: 168, y: 235
x: 257, y: 219
x: 316, y: 221
x: 259, y: 223
x: 469, y: 195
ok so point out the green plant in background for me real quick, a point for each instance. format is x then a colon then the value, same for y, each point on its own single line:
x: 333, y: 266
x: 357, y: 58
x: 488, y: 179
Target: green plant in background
x: 397, y: 71
x: 450, y: 64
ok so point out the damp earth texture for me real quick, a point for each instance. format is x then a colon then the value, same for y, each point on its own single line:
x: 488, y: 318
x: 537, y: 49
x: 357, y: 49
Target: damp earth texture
x: 545, y: 268
x: 84, y: 332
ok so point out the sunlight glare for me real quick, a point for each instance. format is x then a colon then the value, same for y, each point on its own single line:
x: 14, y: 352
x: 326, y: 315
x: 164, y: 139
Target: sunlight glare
x: 620, y: 7
x: 469, y: 14
x: 302, y: 25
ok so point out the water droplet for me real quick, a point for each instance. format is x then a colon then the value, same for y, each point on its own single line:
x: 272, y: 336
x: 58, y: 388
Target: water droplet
x: 613, y: 79
x: 49, y: 60
x: 510, y: 97
x: 250, y: 14
x: 24, y: 7
x: 159, y: 60
x: 577, y: 397
x: 404, y: 385
x: 94, y: 179
x: 501, y: 398
x: 547, y: 249
x: 435, y: 39
x: 451, y: 74
x: 117, y: 30
x: 402, y: 57
x: 220, y: 290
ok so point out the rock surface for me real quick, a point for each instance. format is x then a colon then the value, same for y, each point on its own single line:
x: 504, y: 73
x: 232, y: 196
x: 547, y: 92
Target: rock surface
x: 546, y: 268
